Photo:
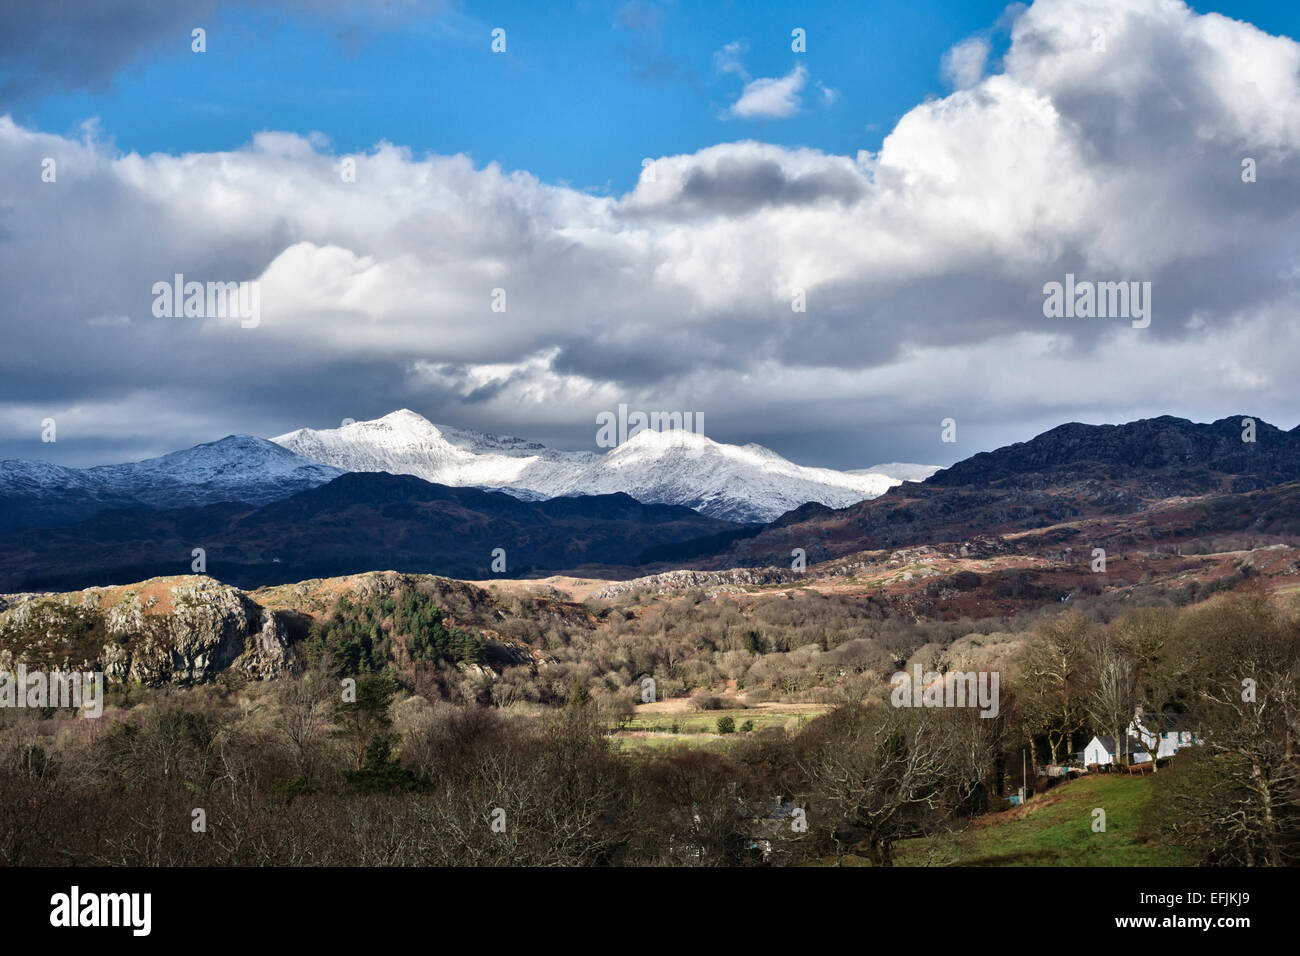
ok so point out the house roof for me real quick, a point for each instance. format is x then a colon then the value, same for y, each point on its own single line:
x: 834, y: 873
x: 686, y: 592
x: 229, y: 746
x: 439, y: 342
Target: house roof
x: 1167, y: 722
x: 1135, y: 746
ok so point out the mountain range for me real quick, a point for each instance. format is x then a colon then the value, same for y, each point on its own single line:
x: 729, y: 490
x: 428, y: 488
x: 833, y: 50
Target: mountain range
x: 744, y: 484
x: 734, y: 483
x: 236, y: 468
x: 263, y: 512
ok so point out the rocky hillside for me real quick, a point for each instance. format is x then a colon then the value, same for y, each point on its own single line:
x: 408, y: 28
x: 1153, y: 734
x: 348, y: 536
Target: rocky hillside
x: 179, y: 630
x: 188, y: 629
x: 1154, y: 457
x: 1074, y: 472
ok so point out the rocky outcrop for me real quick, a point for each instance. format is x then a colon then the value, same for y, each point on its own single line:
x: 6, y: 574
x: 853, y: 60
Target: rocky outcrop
x: 185, y: 630
x: 734, y: 579
x: 182, y: 630
x: 13, y: 600
x: 709, y: 580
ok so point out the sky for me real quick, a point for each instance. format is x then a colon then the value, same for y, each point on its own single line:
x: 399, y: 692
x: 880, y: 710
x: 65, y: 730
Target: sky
x: 827, y: 228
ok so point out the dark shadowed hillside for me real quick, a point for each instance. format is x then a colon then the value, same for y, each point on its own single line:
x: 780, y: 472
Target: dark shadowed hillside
x: 1155, y: 457
x: 1071, y: 472
x: 357, y: 522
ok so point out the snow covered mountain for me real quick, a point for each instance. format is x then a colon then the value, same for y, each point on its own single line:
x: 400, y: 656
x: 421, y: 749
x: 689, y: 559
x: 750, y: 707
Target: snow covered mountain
x: 902, y: 470
x: 236, y: 468
x: 747, y: 483
x: 737, y: 483
x: 404, y: 443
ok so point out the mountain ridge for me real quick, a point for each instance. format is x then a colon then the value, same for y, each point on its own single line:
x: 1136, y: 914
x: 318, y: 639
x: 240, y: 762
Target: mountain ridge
x: 235, y: 468
x: 742, y: 483
x: 1070, y: 472
x: 1191, y: 456
x: 357, y: 522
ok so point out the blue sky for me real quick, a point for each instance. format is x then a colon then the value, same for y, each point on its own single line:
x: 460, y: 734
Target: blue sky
x: 584, y: 92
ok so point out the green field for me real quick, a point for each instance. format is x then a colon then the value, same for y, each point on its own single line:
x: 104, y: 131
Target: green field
x: 700, y: 728
x: 1055, y: 829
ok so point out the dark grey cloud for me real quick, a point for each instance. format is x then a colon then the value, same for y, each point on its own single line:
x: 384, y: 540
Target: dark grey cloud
x: 49, y: 46
x: 739, y: 186
x: 59, y: 45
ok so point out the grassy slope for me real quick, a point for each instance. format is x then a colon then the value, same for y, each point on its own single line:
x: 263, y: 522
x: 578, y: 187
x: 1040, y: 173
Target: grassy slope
x: 1055, y: 829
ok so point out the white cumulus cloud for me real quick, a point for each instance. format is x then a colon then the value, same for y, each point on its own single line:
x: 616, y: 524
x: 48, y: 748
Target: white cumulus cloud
x: 963, y: 65
x: 772, y: 98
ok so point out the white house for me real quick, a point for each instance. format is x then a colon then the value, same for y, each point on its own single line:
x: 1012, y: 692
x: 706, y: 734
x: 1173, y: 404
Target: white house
x: 1106, y: 750
x: 1166, y: 735
x: 1145, y: 734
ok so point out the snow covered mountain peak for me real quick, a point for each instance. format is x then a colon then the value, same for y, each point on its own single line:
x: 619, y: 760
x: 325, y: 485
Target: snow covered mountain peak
x: 404, y: 425
x: 406, y: 443
x: 902, y: 470
x: 234, y: 468
x: 747, y: 483
x: 648, y: 442
x: 400, y: 429
x: 228, y: 460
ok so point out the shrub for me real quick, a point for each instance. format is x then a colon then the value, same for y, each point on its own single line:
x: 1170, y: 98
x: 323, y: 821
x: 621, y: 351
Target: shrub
x: 727, y: 725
